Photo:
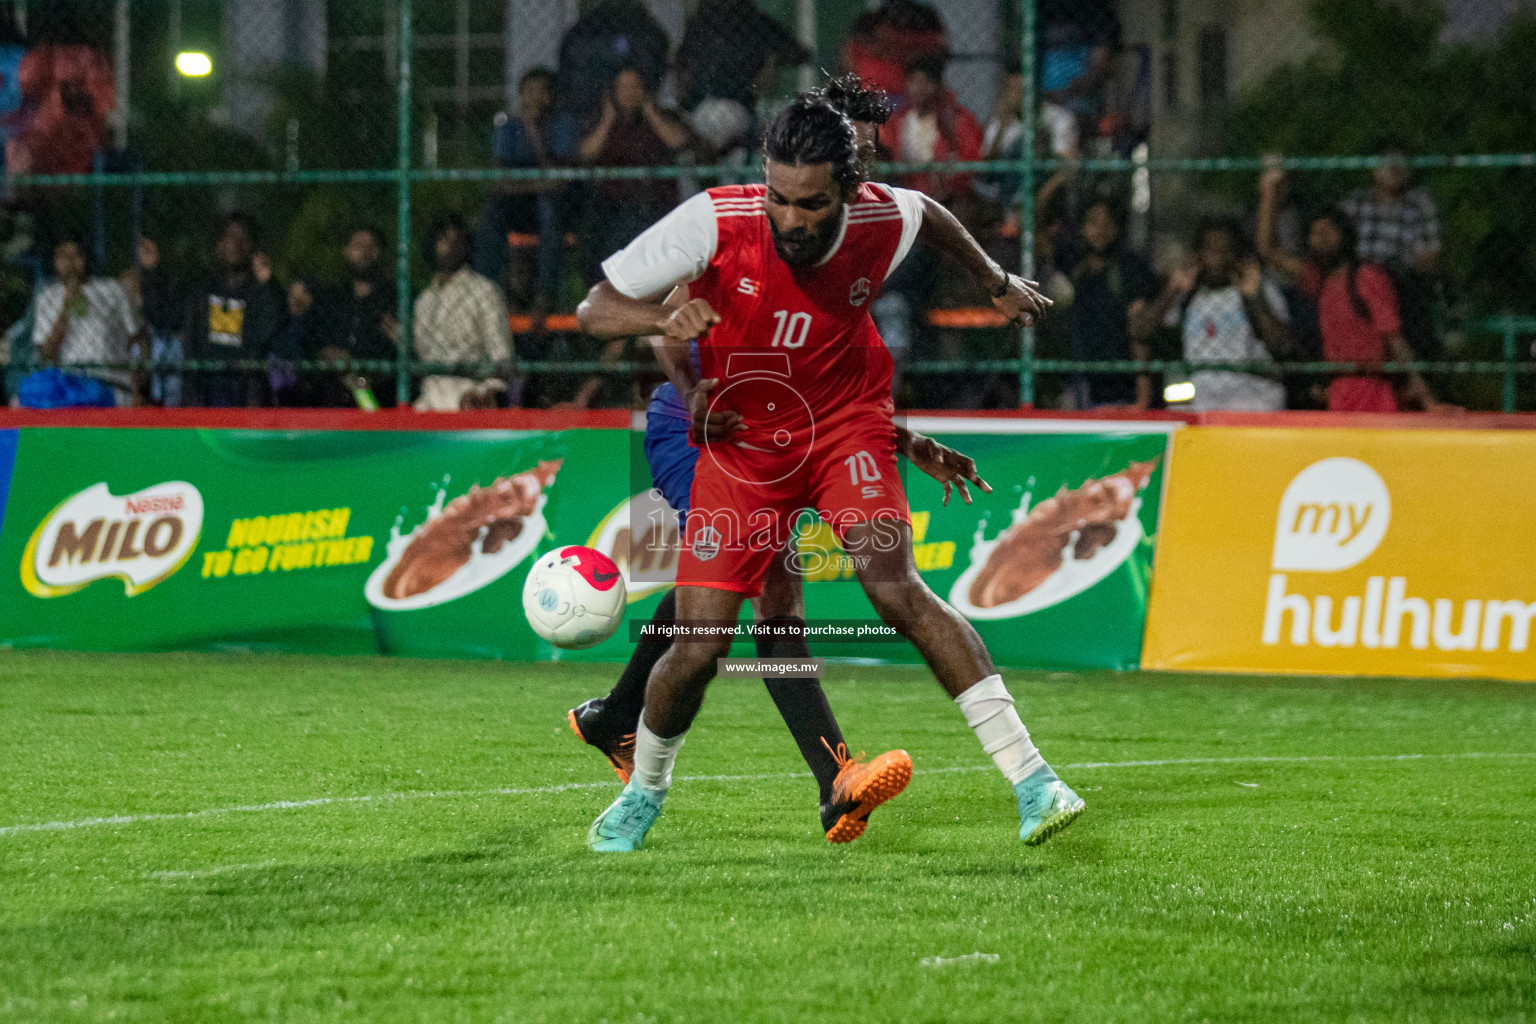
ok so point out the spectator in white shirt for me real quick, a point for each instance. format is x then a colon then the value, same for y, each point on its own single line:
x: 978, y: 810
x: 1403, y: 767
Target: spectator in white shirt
x: 461, y: 317
x: 79, y: 319
x: 1228, y: 313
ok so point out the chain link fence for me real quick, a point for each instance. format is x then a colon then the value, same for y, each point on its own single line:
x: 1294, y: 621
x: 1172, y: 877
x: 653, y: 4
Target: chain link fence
x: 1300, y: 204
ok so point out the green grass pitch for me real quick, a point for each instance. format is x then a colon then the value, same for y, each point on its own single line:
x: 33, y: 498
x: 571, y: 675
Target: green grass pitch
x: 403, y: 841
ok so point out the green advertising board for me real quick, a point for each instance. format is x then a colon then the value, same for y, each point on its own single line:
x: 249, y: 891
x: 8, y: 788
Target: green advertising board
x: 1053, y: 567
x: 416, y: 543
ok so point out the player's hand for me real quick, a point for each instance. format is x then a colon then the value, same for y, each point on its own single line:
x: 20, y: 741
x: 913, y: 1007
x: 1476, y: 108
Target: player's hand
x: 1022, y: 302
x: 691, y: 320
x: 943, y: 463
x: 709, y: 425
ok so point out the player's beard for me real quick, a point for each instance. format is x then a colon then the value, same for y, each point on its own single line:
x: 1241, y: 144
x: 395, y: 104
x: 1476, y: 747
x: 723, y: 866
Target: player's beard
x: 803, y: 247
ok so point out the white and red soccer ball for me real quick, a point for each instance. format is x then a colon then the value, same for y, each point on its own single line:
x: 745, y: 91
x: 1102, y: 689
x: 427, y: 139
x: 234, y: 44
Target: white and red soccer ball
x: 574, y: 597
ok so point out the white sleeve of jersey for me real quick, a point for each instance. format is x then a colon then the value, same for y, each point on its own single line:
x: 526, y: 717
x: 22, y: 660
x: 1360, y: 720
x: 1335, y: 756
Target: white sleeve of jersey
x: 911, y: 205
x: 674, y: 250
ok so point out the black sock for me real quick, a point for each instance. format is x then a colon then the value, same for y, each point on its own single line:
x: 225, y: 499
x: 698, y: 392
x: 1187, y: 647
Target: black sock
x: 803, y: 704
x: 622, y: 710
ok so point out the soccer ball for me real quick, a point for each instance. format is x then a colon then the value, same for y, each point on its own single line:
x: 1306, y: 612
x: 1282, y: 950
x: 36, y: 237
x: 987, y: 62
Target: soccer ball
x: 574, y: 597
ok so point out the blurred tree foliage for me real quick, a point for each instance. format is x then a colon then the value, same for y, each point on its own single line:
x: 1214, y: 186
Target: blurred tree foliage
x: 1385, y: 76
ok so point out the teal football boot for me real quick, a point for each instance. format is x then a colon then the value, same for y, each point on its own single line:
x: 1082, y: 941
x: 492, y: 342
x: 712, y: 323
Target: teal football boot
x: 622, y: 827
x: 1046, y: 806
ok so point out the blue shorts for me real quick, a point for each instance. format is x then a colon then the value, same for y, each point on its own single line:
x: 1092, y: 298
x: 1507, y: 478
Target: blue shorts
x: 667, y: 451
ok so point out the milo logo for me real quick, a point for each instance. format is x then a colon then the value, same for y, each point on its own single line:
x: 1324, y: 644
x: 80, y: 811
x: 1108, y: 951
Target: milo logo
x: 142, y: 538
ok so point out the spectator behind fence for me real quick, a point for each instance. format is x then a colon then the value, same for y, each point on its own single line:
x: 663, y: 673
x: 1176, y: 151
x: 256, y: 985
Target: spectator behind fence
x: 1399, y: 228
x: 460, y: 317
x: 1003, y: 139
x: 1112, y: 288
x: 233, y: 316
x: 80, y: 319
x: 632, y: 131
x: 66, y: 98
x: 613, y: 35
x: 1227, y: 312
x: 931, y: 125
x: 1302, y: 273
x: 1358, y: 321
x: 1078, y: 43
x: 732, y: 51
x: 883, y: 42
x: 354, y: 322
x: 154, y: 304
x: 537, y: 136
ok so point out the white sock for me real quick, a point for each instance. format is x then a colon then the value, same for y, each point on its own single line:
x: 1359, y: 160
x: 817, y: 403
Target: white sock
x: 654, y: 757
x: 989, y: 711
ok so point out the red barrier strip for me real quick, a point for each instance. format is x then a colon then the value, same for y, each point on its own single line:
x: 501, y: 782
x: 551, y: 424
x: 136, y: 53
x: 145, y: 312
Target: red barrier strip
x: 619, y: 419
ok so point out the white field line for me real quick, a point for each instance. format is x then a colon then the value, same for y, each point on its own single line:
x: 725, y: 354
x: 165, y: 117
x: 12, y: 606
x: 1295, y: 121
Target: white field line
x: 456, y: 794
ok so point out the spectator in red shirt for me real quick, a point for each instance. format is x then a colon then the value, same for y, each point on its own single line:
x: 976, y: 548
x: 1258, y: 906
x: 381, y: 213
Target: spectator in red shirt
x: 931, y: 125
x: 882, y: 43
x: 1356, y: 311
x: 1358, y: 317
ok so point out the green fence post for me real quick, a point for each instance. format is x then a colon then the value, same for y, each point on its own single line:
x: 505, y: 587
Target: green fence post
x: 1509, y: 364
x: 403, y: 216
x: 1027, y: 195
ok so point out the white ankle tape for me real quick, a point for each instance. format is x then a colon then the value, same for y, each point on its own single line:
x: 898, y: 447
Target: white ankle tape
x: 654, y: 757
x: 990, y: 713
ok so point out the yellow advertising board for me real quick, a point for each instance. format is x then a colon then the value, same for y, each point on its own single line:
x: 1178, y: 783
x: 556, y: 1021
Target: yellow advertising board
x: 1347, y: 552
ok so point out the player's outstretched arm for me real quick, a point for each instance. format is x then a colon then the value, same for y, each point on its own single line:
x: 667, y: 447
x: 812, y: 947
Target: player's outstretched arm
x: 608, y: 313
x: 1016, y: 298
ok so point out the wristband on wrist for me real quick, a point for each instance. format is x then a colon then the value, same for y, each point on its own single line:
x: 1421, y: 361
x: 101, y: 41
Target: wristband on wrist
x: 1001, y: 288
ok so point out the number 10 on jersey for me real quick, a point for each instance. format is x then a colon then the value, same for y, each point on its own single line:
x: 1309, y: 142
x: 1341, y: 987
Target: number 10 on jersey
x: 792, y: 329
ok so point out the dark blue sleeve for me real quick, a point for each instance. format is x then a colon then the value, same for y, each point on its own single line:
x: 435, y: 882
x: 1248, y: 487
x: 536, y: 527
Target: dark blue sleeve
x: 510, y: 146
x: 562, y: 138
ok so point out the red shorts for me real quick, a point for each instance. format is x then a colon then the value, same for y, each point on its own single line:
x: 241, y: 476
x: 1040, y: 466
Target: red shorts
x: 746, y: 500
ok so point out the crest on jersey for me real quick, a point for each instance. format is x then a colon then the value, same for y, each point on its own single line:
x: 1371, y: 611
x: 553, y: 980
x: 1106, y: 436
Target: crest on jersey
x: 706, y: 543
x: 858, y: 293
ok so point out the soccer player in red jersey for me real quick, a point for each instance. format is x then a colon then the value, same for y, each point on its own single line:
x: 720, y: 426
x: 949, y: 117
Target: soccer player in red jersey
x: 850, y: 789
x: 780, y: 277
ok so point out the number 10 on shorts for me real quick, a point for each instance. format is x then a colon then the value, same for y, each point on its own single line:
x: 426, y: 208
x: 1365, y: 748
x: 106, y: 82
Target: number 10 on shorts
x: 862, y: 466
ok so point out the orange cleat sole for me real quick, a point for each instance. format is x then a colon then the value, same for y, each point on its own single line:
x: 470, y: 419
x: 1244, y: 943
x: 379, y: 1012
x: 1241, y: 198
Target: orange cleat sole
x: 884, y: 778
x: 618, y: 769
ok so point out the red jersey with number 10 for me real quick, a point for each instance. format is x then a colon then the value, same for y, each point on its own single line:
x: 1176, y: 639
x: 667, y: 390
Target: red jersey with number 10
x: 796, y: 350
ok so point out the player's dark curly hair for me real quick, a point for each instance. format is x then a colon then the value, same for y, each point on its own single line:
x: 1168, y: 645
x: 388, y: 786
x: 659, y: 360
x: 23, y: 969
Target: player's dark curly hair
x: 860, y: 102
x: 812, y: 131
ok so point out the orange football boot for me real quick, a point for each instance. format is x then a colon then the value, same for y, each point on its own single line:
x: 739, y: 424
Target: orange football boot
x: 860, y: 787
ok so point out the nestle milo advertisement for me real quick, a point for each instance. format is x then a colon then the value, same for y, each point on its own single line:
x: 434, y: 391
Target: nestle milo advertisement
x: 417, y: 543
x: 1054, y: 567
x: 334, y: 542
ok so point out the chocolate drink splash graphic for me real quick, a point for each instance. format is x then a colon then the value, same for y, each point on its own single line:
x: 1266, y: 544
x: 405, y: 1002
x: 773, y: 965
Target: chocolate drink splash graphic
x: 1029, y: 551
x: 491, y: 515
